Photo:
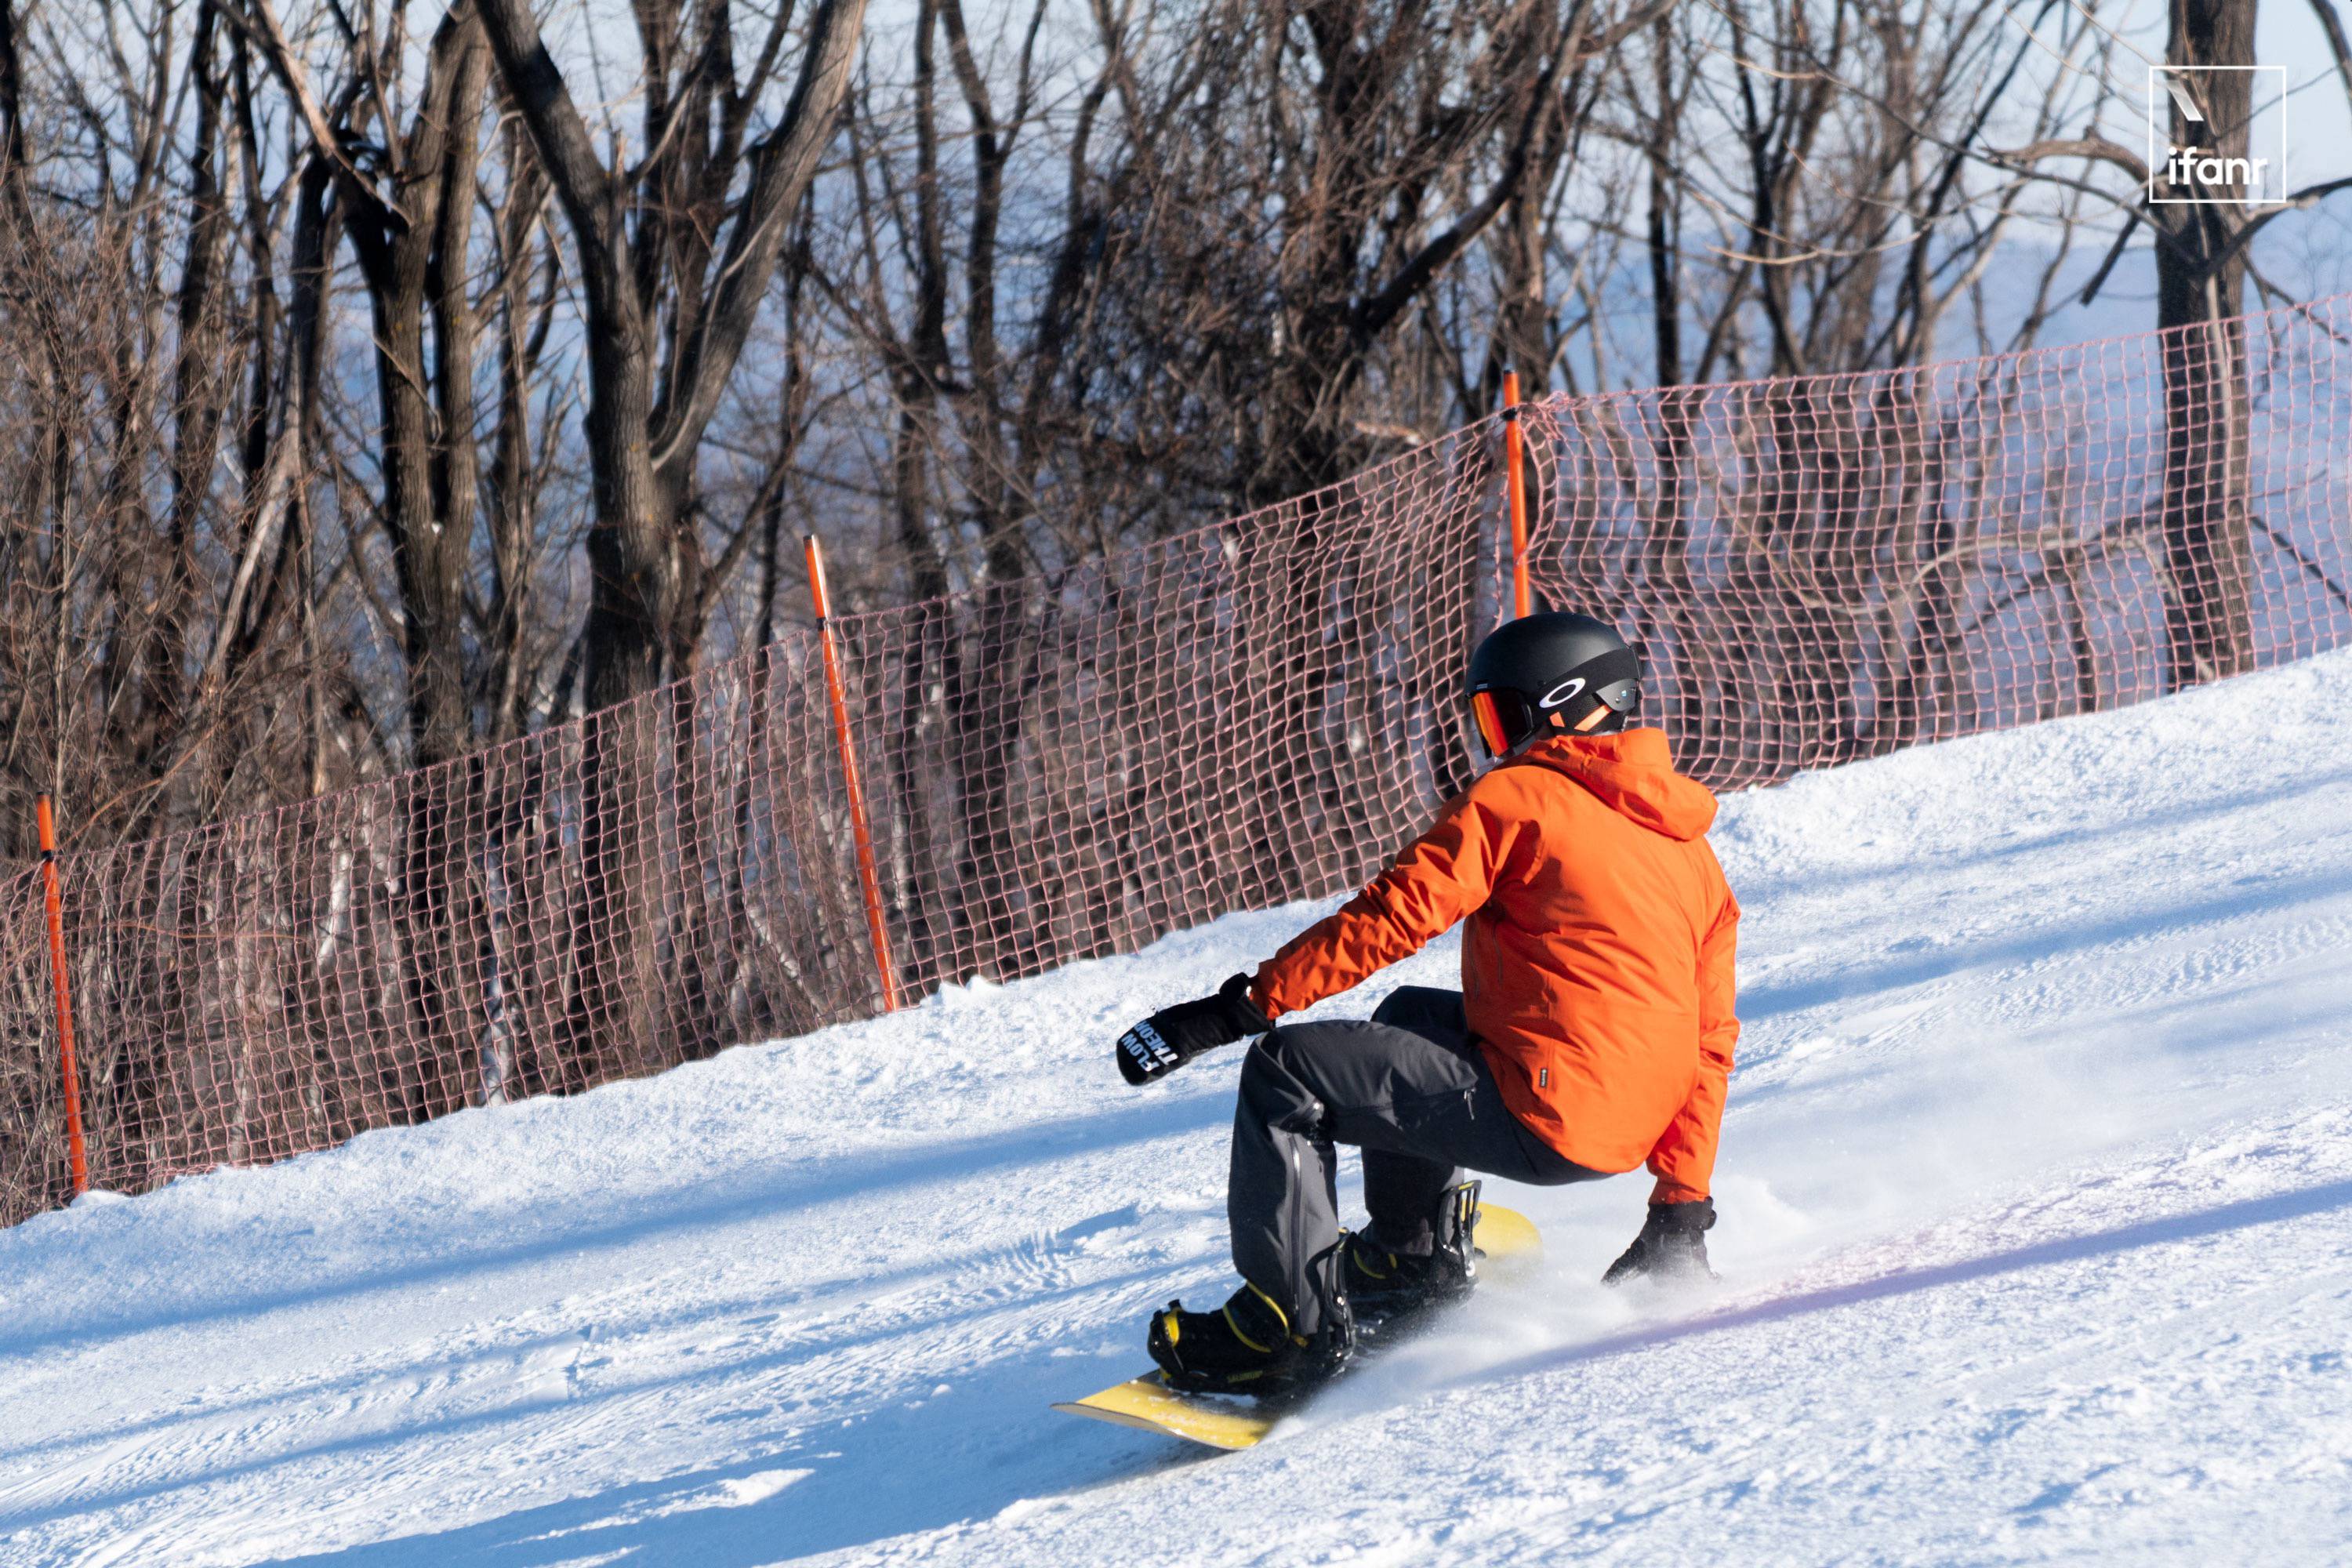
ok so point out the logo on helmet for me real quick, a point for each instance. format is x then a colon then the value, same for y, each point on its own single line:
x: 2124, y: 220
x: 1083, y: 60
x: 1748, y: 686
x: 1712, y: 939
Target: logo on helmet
x: 1566, y: 692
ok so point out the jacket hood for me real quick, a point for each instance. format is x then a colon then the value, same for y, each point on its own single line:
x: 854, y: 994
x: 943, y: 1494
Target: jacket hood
x: 1633, y: 774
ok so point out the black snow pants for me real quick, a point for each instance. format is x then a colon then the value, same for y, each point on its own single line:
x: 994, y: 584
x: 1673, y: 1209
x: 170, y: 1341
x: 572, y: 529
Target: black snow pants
x: 1410, y: 1090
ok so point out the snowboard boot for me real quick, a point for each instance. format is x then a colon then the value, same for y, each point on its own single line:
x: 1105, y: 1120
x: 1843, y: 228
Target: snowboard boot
x: 1671, y: 1249
x: 1383, y: 1286
x: 1246, y: 1346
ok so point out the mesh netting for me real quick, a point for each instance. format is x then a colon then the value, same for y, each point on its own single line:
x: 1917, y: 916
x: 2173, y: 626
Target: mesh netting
x: 1073, y: 763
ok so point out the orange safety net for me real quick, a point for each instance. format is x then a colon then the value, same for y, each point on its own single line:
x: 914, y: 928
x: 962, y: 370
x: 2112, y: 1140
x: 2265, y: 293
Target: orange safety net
x: 1070, y: 765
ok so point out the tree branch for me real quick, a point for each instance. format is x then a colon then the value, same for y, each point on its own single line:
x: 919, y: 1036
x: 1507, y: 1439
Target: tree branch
x: 782, y: 165
x: 557, y: 131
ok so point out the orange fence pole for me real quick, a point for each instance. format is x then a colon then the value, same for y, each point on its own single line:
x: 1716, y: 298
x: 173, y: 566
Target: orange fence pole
x: 1514, y: 444
x: 866, y: 872
x: 65, y: 1001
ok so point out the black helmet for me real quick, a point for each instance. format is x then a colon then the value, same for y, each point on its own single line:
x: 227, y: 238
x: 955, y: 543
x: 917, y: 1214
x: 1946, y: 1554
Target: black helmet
x: 1548, y: 674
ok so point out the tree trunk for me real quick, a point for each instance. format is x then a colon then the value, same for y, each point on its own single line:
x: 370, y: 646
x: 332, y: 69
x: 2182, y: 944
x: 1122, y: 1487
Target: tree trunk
x: 2200, y: 285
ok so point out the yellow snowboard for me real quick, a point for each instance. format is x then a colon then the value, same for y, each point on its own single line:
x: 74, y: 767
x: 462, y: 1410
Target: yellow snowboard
x: 1509, y: 1246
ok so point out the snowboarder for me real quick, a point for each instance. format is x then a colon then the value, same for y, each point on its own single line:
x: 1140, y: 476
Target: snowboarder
x: 1593, y: 1031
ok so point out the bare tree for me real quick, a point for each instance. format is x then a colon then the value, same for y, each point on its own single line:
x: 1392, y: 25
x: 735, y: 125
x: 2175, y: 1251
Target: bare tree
x: 1079, y: 273
x: 2201, y: 275
x: 407, y: 204
x: 670, y: 308
x: 2203, y: 230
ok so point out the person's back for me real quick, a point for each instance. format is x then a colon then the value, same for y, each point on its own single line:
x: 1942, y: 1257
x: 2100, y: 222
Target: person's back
x: 1599, y: 976
x: 1596, y: 952
x: 1593, y: 1031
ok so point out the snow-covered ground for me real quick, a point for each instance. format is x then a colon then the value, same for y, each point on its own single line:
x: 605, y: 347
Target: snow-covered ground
x: 2037, y: 1244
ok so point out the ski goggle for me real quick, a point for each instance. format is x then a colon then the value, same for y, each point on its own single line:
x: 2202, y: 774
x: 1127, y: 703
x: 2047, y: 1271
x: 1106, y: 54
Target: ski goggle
x: 1487, y: 714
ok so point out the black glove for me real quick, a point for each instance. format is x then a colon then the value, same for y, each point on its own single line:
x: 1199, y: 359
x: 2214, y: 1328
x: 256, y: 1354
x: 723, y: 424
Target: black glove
x: 1174, y: 1035
x: 1672, y: 1247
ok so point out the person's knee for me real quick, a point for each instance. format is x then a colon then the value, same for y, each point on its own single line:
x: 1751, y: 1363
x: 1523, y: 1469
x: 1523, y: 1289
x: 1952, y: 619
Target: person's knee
x: 1405, y: 1002
x: 1268, y: 1073
x: 1261, y: 1062
x: 1280, y: 1083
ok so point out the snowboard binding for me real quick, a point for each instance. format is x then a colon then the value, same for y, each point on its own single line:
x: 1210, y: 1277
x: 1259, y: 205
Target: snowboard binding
x: 1386, y: 1287
x: 1248, y: 1346
x: 1186, y: 1394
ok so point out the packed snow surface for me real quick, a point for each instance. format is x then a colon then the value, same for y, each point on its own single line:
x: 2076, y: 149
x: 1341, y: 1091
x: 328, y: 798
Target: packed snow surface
x: 2036, y: 1243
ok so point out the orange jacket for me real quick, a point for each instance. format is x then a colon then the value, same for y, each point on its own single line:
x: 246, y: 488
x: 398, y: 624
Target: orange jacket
x: 1597, y: 967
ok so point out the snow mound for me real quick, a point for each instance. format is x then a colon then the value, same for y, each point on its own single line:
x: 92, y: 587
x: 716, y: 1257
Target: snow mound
x: 2037, y: 1244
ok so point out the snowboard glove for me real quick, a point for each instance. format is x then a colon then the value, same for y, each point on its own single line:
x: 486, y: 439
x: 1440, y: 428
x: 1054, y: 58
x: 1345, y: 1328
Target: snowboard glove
x: 1672, y: 1247
x: 1174, y: 1035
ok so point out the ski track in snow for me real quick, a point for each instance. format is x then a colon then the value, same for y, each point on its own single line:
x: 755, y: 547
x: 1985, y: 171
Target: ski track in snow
x: 2037, y: 1245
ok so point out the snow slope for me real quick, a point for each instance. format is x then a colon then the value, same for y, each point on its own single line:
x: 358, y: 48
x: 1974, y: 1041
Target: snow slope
x: 2037, y: 1185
